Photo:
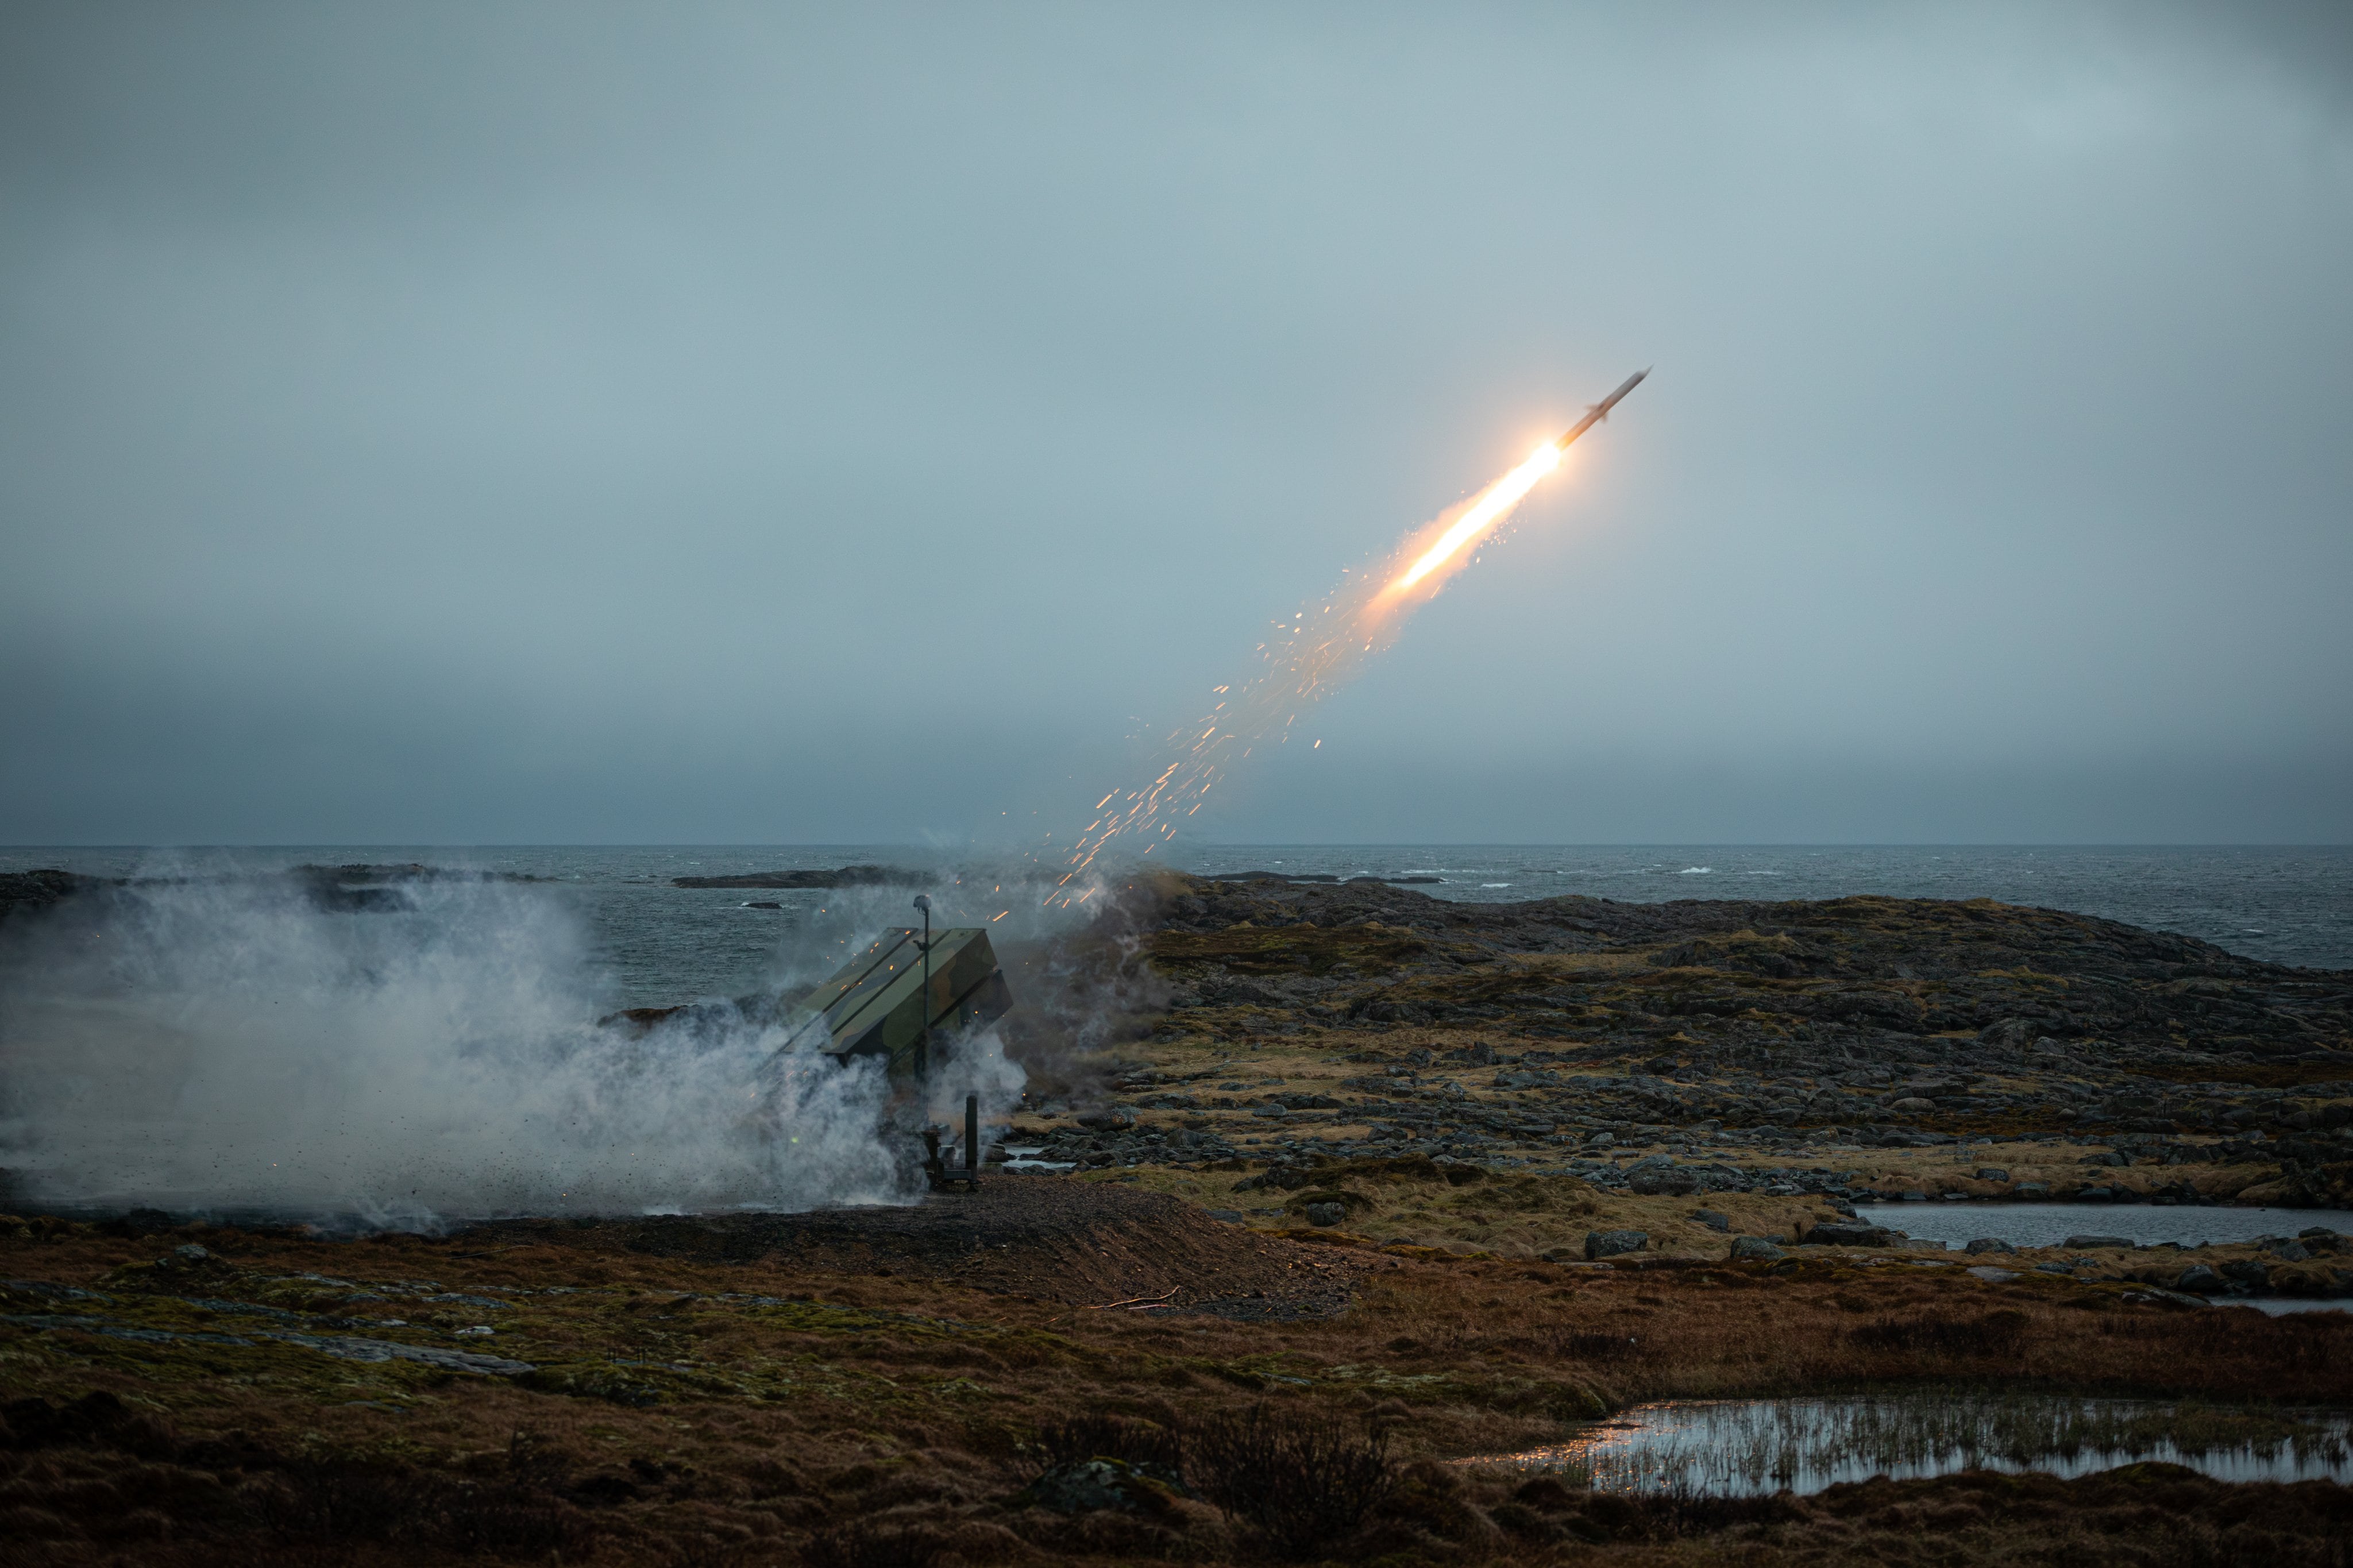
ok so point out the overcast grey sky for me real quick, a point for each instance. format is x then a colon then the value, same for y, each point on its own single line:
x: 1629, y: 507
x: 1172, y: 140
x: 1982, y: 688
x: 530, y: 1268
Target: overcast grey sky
x: 482, y: 423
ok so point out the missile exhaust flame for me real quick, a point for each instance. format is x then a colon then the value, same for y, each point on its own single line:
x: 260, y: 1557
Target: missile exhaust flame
x: 1496, y: 504
x: 1311, y: 653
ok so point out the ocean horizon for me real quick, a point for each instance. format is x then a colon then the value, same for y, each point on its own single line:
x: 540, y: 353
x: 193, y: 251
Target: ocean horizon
x: 2281, y: 903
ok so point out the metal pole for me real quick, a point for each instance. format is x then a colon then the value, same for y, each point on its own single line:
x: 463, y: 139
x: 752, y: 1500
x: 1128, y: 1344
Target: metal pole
x: 972, y: 1139
x: 924, y: 1036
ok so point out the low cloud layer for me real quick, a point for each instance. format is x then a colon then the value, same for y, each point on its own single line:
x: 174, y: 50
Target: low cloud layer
x: 544, y: 424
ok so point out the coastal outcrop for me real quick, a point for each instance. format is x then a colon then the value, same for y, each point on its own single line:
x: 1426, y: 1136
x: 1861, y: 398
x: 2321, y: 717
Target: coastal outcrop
x: 839, y: 877
x: 26, y: 893
x: 346, y: 889
x: 1854, y: 1047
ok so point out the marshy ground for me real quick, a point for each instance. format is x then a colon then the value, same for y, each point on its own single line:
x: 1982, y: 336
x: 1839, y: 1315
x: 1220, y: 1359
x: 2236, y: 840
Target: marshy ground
x: 1289, y: 1287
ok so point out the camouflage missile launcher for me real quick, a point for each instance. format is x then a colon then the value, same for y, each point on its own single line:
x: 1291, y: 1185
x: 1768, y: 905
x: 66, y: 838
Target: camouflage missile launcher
x: 872, y: 1005
x: 875, y: 1004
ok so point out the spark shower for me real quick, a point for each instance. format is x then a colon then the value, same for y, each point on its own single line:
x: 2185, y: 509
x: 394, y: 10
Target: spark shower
x: 1312, y: 654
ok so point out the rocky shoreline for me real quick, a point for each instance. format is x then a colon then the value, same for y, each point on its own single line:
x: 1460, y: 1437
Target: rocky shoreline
x: 348, y: 889
x: 1827, y: 1055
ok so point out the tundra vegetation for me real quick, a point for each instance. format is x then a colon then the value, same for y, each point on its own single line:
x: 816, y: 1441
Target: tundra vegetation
x: 1347, y: 1169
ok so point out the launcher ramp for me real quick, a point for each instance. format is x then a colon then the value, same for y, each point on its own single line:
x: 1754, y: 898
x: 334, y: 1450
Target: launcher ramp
x: 876, y: 1005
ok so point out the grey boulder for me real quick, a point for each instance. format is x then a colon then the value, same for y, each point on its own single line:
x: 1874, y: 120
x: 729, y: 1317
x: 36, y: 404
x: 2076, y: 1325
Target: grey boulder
x: 1610, y: 1243
x: 2200, y: 1280
x: 1089, y: 1486
x: 1849, y: 1235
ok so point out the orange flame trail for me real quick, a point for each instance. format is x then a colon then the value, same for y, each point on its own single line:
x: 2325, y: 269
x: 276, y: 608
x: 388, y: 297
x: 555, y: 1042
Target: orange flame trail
x: 1310, y: 654
x: 1491, y: 508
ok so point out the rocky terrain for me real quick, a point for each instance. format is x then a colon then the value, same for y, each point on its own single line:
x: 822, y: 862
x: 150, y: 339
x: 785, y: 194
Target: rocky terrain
x: 1857, y: 1047
x: 1367, y: 1194
x: 25, y: 893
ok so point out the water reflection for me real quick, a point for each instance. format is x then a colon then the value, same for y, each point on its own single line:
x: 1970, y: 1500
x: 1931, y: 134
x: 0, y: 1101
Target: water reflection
x: 1754, y: 1446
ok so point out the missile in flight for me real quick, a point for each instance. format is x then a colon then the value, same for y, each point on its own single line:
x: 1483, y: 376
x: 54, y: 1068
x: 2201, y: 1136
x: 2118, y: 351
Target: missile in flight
x: 1600, y: 411
x: 1497, y: 503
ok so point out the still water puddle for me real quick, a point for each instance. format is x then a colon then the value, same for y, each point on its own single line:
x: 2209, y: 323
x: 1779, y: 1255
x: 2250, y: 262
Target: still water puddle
x: 2281, y: 1306
x: 1749, y: 1448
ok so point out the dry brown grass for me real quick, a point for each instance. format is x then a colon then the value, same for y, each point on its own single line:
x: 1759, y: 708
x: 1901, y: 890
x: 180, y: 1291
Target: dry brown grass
x: 909, y: 1405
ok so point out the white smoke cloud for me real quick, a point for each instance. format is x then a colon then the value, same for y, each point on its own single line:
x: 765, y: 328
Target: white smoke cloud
x: 974, y: 1065
x: 226, y: 1045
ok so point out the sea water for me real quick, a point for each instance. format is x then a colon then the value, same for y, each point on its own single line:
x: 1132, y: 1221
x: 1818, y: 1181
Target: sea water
x: 662, y: 943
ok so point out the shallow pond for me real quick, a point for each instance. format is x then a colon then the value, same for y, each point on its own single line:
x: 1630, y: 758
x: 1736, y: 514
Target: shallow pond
x: 2278, y: 1305
x: 1753, y: 1447
x: 2048, y: 1225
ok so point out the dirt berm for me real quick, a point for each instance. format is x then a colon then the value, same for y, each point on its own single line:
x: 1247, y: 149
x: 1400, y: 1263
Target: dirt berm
x: 1087, y: 1243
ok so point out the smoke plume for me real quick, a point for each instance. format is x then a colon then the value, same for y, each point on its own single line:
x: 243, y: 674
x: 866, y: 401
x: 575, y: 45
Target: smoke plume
x: 226, y: 1044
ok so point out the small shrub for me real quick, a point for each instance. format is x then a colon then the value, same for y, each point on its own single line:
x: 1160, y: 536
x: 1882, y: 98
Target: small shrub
x: 1146, y: 1444
x: 1987, y: 1335
x: 1428, y: 1497
x: 1583, y: 1346
x: 341, y: 1501
x: 1300, y: 1480
x: 1544, y: 1492
x: 98, y: 1419
x: 1673, y: 1515
x: 507, y: 1522
x: 532, y: 1460
x: 864, y: 1545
